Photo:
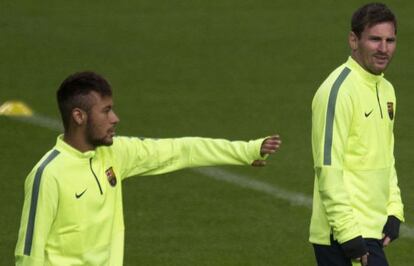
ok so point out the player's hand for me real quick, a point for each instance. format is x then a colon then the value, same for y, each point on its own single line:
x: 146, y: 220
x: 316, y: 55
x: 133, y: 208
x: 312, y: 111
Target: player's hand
x: 391, y: 230
x: 270, y: 145
x: 363, y: 260
x: 386, y: 240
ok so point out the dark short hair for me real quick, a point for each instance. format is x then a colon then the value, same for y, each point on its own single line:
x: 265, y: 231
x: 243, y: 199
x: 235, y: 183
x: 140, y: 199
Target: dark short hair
x: 370, y: 15
x: 74, y: 89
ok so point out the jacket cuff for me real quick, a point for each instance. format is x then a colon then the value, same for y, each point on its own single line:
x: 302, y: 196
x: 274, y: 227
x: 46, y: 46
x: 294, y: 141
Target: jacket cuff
x: 354, y: 248
x: 255, y: 146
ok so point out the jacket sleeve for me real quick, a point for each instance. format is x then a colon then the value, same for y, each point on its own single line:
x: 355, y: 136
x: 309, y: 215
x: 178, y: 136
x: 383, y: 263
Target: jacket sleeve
x: 39, y: 210
x: 395, y: 206
x: 331, y: 123
x: 156, y: 156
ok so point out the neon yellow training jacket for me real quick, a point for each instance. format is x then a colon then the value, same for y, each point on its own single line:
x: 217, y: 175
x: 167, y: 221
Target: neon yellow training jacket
x: 356, y: 186
x: 72, y: 212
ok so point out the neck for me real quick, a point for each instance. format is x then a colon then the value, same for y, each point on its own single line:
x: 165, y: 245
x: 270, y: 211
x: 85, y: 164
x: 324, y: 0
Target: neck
x: 355, y: 56
x: 78, y: 141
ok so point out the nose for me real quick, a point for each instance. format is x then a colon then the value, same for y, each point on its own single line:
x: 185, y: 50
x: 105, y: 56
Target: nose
x: 114, y: 118
x: 383, y: 46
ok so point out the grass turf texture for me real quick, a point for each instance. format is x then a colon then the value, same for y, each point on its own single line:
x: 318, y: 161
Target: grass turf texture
x: 231, y: 69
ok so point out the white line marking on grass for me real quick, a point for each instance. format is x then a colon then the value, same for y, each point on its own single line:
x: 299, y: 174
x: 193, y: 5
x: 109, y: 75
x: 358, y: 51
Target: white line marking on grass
x: 250, y: 183
x: 294, y: 198
x: 40, y: 120
x: 406, y: 231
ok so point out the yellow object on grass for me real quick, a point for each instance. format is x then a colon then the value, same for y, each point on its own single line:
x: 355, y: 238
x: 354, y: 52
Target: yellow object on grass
x: 15, y: 108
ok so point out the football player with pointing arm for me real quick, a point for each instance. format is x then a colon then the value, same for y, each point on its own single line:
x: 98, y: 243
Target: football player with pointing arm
x: 72, y: 212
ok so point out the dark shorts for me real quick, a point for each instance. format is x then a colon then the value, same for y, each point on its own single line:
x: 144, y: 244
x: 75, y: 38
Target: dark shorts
x: 333, y: 255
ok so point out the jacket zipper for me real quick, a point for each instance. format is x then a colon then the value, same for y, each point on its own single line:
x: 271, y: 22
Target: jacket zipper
x: 96, y: 178
x: 379, y: 103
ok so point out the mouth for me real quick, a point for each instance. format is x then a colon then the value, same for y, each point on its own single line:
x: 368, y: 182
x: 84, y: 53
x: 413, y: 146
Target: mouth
x: 111, y: 132
x: 381, y: 58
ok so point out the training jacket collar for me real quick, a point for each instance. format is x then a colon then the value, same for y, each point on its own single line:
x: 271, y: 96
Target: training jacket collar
x: 62, y: 146
x: 365, y: 75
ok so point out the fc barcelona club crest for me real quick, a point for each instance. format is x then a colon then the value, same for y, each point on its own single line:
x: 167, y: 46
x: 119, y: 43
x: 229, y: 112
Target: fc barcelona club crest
x: 390, y: 106
x: 111, y: 176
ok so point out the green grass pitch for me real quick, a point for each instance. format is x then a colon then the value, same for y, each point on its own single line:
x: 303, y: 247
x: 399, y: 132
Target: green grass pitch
x: 221, y: 68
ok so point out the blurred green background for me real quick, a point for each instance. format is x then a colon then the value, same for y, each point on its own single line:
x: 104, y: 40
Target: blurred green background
x: 229, y: 69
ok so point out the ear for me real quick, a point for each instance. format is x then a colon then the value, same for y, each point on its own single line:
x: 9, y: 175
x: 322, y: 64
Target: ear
x: 79, y: 116
x: 353, y: 41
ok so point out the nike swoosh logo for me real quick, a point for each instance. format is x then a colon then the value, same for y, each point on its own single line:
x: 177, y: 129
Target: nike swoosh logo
x: 367, y: 114
x: 80, y: 195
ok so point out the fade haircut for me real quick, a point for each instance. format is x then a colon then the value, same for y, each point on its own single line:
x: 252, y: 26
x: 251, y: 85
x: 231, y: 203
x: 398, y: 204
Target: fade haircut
x: 74, y: 90
x: 370, y: 15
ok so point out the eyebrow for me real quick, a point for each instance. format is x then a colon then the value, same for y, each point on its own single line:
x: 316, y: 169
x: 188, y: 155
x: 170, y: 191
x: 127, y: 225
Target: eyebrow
x: 377, y: 37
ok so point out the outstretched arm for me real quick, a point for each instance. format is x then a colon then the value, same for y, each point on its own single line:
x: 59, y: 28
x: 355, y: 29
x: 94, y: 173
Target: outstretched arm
x: 157, y: 156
